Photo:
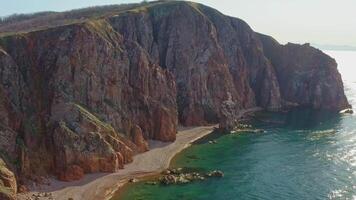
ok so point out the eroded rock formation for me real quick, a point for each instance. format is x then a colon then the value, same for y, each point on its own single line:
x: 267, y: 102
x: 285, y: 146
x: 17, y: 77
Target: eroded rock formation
x: 8, y: 185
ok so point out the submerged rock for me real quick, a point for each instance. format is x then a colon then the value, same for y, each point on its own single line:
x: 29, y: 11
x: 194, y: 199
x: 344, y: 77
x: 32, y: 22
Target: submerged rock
x: 347, y: 111
x: 215, y: 173
x: 151, y: 183
x: 169, y: 179
x: 248, y: 131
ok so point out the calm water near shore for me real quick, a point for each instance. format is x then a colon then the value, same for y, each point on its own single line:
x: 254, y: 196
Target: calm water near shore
x: 302, y: 155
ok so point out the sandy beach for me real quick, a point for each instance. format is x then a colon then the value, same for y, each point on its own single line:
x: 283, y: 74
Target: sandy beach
x: 103, y: 185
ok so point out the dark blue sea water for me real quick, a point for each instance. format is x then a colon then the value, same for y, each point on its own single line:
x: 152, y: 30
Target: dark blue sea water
x: 308, y: 156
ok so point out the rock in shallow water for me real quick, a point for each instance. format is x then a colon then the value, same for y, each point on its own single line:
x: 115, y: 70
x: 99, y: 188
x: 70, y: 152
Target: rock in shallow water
x: 215, y: 173
x: 347, y: 111
x: 151, y: 183
x: 179, y: 177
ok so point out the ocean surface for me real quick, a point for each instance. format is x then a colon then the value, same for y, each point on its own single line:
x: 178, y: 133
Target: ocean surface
x: 302, y: 155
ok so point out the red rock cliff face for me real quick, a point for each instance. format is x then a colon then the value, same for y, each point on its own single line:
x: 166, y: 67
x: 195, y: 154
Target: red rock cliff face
x: 180, y: 39
x: 79, y: 91
x: 214, y: 58
x: 307, y: 76
x: 219, y: 60
x: 85, y: 97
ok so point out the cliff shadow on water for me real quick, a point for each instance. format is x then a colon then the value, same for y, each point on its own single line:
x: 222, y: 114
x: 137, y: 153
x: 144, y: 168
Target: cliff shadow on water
x: 299, y: 118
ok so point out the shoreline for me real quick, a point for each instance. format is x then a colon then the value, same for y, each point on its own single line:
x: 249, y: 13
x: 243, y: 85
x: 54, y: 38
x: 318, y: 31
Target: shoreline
x: 105, y: 185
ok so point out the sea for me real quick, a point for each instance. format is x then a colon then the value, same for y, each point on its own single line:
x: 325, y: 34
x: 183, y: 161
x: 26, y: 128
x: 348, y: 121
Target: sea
x: 302, y: 155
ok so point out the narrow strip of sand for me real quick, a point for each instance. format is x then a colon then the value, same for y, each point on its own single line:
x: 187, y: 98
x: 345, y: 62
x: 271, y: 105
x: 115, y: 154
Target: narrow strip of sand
x: 102, y: 186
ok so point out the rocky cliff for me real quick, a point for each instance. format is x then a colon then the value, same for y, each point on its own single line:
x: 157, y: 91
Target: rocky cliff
x: 307, y: 76
x: 86, y: 96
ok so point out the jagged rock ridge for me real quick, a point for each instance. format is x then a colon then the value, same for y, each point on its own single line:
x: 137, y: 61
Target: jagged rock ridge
x: 86, y: 97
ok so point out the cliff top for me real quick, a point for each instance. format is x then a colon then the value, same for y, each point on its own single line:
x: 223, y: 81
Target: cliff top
x: 23, y: 23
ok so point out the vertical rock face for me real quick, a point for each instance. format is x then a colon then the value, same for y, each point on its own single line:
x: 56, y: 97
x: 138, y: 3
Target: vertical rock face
x: 307, y: 76
x: 9, y: 96
x: 86, y: 97
x: 79, y: 92
x: 213, y: 58
x: 188, y: 47
x: 253, y: 74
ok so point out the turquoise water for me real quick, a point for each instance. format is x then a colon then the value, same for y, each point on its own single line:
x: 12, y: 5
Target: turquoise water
x: 310, y: 156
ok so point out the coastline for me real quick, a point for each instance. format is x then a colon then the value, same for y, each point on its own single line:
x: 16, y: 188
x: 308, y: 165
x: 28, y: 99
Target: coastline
x: 105, y: 185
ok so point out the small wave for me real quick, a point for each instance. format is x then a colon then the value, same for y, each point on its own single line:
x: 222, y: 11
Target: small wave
x: 336, y: 194
x: 316, y: 135
x: 302, y: 131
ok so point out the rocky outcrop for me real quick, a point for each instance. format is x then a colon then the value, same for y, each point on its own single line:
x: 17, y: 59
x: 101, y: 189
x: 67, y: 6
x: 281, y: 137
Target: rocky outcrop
x: 307, y: 76
x: 138, y: 139
x: 8, y: 185
x: 85, y: 97
x: 83, y: 143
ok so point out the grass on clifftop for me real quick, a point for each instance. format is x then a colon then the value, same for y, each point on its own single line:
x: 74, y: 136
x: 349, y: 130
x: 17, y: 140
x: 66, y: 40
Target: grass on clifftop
x: 25, y: 23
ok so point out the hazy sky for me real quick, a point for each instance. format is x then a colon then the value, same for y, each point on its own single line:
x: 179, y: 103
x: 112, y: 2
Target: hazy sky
x: 315, y: 21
